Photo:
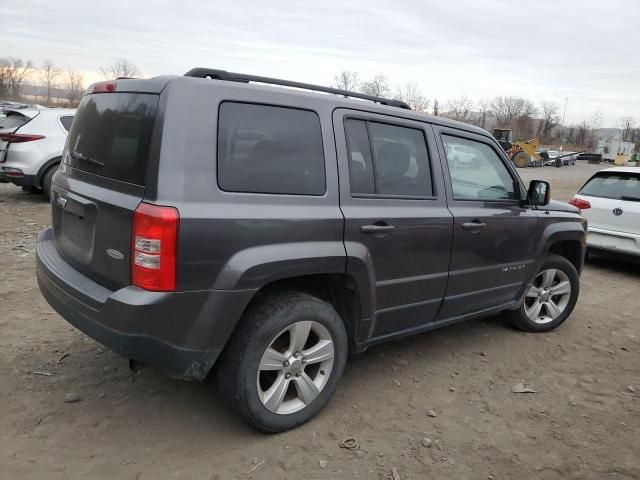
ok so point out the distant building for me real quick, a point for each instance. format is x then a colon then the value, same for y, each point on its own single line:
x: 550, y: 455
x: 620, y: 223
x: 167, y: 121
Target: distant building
x: 612, y: 149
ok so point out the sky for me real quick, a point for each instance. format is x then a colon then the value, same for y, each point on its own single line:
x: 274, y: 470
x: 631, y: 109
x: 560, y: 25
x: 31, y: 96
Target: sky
x: 584, y: 52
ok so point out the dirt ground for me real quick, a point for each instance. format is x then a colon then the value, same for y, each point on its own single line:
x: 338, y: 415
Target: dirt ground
x: 583, y: 422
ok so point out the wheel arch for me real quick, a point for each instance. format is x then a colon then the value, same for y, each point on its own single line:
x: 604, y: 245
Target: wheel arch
x: 566, y: 239
x: 569, y: 249
x: 46, y: 166
x: 338, y: 289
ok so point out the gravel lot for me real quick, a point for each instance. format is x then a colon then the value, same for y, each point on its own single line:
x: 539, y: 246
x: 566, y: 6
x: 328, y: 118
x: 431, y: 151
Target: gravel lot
x: 583, y: 422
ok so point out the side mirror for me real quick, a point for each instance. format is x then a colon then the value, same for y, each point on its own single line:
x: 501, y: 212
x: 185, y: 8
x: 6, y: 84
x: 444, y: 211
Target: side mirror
x: 539, y: 193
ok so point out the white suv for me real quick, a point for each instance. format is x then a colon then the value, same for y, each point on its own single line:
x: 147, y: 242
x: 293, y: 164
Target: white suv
x: 31, y: 143
x: 610, y: 201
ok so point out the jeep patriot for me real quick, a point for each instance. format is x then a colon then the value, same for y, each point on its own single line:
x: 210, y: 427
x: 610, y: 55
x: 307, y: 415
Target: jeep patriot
x: 219, y: 222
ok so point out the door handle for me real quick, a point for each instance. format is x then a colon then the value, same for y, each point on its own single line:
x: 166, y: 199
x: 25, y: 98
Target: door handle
x: 376, y: 228
x: 475, y: 225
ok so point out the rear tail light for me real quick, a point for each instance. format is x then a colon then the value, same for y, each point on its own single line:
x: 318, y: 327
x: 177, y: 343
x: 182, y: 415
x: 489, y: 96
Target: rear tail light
x: 580, y: 203
x: 154, y: 247
x: 19, y: 137
x: 104, y: 87
x: 12, y: 172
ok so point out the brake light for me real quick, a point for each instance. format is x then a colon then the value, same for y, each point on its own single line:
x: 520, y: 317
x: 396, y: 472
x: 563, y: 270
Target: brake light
x: 580, y: 203
x: 19, y: 137
x: 104, y: 87
x: 154, y: 247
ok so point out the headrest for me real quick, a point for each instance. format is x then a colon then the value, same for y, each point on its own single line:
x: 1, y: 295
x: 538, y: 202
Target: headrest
x: 393, y: 159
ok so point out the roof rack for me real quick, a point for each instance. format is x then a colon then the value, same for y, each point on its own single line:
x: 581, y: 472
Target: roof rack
x: 244, y: 78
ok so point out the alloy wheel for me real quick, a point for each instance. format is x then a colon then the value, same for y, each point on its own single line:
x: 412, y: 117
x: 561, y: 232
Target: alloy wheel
x: 295, y: 367
x: 548, y: 296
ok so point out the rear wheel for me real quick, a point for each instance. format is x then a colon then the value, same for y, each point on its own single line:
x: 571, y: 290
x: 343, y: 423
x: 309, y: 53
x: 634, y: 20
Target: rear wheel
x: 284, y: 361
x: 47, y: 179
x: 550, y: 298
x: 521, y: 159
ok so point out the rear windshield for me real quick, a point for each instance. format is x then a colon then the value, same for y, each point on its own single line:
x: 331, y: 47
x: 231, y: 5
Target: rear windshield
x: 111, y: 133
x: 12, y: 120
x: 616, y: 185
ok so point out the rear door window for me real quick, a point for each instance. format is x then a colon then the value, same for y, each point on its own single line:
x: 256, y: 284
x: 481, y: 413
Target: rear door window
x: 111, y: 133
x: 66, y: 122
x: 387, y: 159
x: 614, y: 185
x: 267, y: 149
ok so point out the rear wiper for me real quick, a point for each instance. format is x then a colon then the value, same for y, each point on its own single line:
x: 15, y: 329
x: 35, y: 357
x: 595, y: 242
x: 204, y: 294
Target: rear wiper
x: 630, y: 198
x: 80, y: 156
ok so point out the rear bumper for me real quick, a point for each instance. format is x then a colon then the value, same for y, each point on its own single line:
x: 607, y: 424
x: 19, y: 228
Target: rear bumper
x: 613, y: 240
x: 22, y: 181
x: 181, y: 333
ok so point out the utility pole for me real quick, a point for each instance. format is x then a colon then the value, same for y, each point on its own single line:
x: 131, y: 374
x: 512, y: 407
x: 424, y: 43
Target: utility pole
x: 566, y: 100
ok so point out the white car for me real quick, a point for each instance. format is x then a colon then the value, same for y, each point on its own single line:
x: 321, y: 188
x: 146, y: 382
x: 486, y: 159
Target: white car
x: 610, y: 201
x: 461, y: 155
x: 31, y: 144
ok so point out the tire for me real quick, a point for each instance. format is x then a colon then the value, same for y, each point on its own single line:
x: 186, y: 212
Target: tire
x: 47, y: 179
x: 521, y: 159
x: 541, y: 289
x: 276, y: 324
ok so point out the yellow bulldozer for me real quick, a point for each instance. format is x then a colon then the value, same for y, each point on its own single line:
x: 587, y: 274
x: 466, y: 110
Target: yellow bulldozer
x: 522, y: 154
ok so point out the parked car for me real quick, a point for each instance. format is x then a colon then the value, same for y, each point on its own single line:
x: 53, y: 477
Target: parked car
x: 461, y: 156
x: 610, y: 201
x: 569, y: 158
x: 275, y: 230
x: 31, y: 143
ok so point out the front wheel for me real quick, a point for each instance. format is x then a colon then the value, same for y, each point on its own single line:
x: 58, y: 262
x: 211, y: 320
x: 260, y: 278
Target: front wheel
x: 521, y: 159
x: 284, y: 361
x: 550, y: 298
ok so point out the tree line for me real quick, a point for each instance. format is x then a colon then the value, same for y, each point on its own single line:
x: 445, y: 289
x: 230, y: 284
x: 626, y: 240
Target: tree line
x: 526, y: 119
x: 53, y: 85
x: 58, y: 86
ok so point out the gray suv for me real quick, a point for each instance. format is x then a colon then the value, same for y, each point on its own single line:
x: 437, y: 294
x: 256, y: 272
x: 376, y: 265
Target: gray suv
x: 213, y: 220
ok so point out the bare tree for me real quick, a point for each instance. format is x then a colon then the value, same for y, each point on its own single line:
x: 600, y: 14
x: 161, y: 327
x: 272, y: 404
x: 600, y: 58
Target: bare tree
x: 13, y: 73
x: 378, y: 86
x: 410, y: 94
x: 635, y: 137
x: 5, y: 66
x: 484, y: 110
x: 436, y: 106
x: 507, y: 109
x: 595, y: 122
x: 582, y: 132
x: 48, y: 75
x: 571, y: 134
x: 459, y: 108
x: 120, y: 68
x: 74, y: 86
x: 550, y: 119
x: 626, y: 124
x: 346, y: 80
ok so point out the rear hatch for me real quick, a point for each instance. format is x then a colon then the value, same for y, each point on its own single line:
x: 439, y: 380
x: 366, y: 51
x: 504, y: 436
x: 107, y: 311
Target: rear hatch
x: 101, y: 181
x: 9, y: 123
x: 615, y: 201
